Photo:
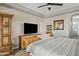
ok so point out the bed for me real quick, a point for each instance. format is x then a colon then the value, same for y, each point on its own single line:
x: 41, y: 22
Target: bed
x: 55, y: 47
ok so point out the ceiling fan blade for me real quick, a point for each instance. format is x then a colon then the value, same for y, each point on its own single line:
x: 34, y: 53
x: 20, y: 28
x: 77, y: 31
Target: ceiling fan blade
x: 57, y: 4
x: 42, y: 6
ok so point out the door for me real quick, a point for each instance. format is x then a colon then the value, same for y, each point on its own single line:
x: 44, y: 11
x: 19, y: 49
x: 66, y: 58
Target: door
x: 0, y: 31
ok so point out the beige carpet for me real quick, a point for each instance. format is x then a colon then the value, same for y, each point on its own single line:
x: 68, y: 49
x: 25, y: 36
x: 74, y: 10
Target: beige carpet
x: 18, y: 52
x: 21, y: 53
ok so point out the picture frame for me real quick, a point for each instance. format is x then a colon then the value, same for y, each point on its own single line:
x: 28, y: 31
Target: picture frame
x: 59, y: 24
x: 49, y: 28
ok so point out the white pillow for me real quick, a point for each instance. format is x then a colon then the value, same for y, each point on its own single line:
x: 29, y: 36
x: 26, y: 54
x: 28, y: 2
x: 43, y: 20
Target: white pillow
x: 44, y: 36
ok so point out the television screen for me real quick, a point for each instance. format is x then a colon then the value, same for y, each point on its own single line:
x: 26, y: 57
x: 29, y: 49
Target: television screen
x: 30, y: 28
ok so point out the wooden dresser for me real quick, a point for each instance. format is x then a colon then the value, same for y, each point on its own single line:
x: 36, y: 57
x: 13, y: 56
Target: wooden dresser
x: 25, y: 40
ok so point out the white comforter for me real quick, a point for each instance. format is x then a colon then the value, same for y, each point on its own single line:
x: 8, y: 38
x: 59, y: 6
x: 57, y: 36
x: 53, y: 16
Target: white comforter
x: 55, y: 47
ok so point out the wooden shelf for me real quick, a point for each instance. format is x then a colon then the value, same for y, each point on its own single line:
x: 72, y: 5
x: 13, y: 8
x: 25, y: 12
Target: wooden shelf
x: 5, y: 25
x: 5, y: 35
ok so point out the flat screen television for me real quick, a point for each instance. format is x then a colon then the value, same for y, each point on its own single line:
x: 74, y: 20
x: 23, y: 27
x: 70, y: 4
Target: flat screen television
x: 30, y: 28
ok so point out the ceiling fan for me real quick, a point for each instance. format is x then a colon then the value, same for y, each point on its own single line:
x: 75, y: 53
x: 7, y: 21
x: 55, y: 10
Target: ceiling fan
x: 49, y: 8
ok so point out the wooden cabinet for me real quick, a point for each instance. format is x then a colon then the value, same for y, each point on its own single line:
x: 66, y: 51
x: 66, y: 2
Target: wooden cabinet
x: 25, y: 40
x: 5, y: 33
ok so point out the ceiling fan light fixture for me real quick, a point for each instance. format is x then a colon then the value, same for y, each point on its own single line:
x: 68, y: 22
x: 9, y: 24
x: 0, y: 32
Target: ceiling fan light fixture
x: 51, y: 4
x: 49, y: 8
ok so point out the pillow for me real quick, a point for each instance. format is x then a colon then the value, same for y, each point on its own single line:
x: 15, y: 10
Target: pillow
x: 44, y: 36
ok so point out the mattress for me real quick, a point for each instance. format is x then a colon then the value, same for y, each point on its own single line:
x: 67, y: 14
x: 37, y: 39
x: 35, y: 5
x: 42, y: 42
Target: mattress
x: 55, y: 47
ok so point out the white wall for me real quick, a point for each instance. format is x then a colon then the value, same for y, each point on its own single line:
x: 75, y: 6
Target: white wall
x: 67, y: 18
x: 17, y: 22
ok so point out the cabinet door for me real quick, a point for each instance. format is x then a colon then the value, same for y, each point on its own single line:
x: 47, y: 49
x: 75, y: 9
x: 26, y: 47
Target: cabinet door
x: 0, y: 31
x: 6, y: 30
x: 5, y: 41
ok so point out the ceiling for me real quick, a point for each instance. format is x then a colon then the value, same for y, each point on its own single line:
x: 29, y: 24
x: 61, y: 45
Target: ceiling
x: 44, y: 12
x: 54, y: 9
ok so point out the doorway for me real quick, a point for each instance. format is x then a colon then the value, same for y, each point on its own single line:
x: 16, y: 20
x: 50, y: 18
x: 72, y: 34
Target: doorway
x: 74, y: 29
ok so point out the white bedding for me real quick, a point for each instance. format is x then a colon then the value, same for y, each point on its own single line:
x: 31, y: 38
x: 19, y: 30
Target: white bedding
x: 55, y: 47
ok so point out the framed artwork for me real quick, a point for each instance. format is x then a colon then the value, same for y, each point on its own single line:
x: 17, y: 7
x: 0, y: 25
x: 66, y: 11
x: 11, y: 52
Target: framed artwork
x: 49, y: 28
x: 58, y: 24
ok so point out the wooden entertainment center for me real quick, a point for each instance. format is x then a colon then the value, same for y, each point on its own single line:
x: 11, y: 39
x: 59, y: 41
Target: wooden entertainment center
x: 25, y: 40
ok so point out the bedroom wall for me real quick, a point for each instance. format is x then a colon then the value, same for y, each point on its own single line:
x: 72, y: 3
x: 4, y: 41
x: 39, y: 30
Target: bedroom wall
x: 67, y: 18
x: 17, y: 23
